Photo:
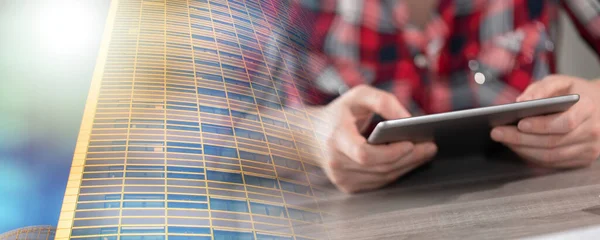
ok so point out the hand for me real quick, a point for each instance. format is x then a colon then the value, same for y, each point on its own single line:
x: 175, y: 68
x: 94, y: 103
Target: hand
x: 350, y: 162
x: 564, y: 140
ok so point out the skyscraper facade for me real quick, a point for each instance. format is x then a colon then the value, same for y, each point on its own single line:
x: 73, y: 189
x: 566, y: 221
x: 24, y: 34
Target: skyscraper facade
x: 30, y: 233
x: 184, y: 135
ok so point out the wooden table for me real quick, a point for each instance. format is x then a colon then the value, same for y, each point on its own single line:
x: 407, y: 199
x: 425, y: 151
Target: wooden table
x: 470, y: 197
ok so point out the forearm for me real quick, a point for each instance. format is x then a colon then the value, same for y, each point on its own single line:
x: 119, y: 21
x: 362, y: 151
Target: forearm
x: 596, y: 82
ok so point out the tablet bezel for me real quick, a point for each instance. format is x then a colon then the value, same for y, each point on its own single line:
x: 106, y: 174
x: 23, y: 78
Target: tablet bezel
x: 381, y: 133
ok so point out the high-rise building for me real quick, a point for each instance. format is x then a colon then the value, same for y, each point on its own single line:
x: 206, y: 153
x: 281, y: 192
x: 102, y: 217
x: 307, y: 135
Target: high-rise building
x: 30, y: 233
x: 184, y: 135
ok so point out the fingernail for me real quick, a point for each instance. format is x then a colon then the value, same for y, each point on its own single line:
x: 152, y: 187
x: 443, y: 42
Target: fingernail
x: 524, y: 125
x: 409, y: 147
x: 497, y: 135
x: 431, y: 148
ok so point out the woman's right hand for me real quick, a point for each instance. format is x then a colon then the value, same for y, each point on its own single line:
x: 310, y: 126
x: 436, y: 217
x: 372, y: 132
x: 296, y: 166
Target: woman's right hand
x: 350, y: 162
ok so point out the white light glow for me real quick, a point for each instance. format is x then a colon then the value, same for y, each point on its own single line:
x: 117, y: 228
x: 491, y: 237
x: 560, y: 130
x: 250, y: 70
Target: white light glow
x: 66, y: 27
x: 479, y: 78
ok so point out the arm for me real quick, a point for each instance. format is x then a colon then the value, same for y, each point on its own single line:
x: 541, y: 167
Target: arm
x: 585, y: 15
x: 348, y: 161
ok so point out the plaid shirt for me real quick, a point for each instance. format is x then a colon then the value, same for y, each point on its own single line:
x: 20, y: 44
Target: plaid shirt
x: 471, y: 53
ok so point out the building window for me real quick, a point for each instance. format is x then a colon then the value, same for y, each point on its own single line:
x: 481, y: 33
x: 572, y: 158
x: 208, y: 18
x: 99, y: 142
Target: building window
x: 241, y: 97
x: 144, y: 197
x: 249, y: 134
x: 259, y: 87
x: 220, y: 151
x: 187, y: 205
x: 182, y: 123
x: 184, y: 150
x: 183, y: 144
x: 94, y: 231
x: 228, y: 235
x: 207, y: 63
x: 265, y: 209
x: 194, y: 129
x: 99, y: 205
x: 211, y: 92
x: 231, y: 55
x: 304, y: 215
x: 208, y: 76
x: 145, y: 168
x: 141, y: 238
x: 228, y: 205
x: 244, y: 115
x: 205, y: 50
x: 274, y: 122
x: 261, y: 182
x: 214, y: 110
x: 236, y: 82
x: 185, y: 169
x: 255, y: 157
x: 145, y: 174
x: 144, y: 204
x: 282, y: 142
x: 297, y: 188
x: 142, y: 230
x: 182, y: 197
x: 185, y: 176
x: 269, y: 104
x: 224, y: 176
x: 102, y: 175
x: 100, y: 197
x: 176, y: 237
x: 200, y: 37
x: 188, y: 230
x: 271, y: 237
x: 103, y: 168
x: 293, y: 164
x: 182, y: 108
x: 210, y: 128
x: 105, y: 149
x: 97, y: 143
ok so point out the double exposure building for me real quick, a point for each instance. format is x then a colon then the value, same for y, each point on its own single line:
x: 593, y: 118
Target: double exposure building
x: 184, y: 134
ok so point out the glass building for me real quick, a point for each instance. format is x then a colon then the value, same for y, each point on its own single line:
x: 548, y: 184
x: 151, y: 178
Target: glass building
x: 30, y: 233
x: 184, y: 135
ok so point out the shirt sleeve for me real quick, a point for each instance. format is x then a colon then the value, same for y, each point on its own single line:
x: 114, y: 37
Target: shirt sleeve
x: 585, y: 15
x: 316, y: 81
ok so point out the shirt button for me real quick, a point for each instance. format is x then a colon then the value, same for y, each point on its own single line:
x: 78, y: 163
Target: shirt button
x: 549, y: 46
x: 342, y: 89
x: 421, y: 61
x: 473, y: 65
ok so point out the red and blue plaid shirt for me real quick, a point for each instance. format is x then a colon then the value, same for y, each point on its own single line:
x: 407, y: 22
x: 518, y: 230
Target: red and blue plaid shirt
x: 471, y: 53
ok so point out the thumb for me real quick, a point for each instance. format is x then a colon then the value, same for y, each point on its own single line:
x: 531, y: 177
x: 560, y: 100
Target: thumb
x: 550, y: 86
x: 365, y: 98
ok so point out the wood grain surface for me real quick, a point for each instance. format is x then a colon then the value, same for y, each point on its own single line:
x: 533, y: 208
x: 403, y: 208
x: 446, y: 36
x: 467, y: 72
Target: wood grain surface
x: 482, y: 196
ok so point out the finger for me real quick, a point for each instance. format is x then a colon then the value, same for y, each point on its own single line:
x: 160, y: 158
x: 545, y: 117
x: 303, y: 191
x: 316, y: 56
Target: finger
x: 350, y: 142
x: 378, y: 101
x: 572, y: 164
x: 548, y: 87
x: 558, y: 123
x: 401, y: 172
x: 421, y: 153
x: 550, y: 157
x: 512, y: 136
x: 353, y: 182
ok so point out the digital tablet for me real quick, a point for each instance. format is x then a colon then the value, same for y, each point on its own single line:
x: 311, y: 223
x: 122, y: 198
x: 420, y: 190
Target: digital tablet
x: 458, y: 124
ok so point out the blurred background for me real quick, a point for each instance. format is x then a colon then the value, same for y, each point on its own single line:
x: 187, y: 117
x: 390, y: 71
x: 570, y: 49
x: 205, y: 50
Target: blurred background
x: 47, y: 56
x: 48, y: 50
